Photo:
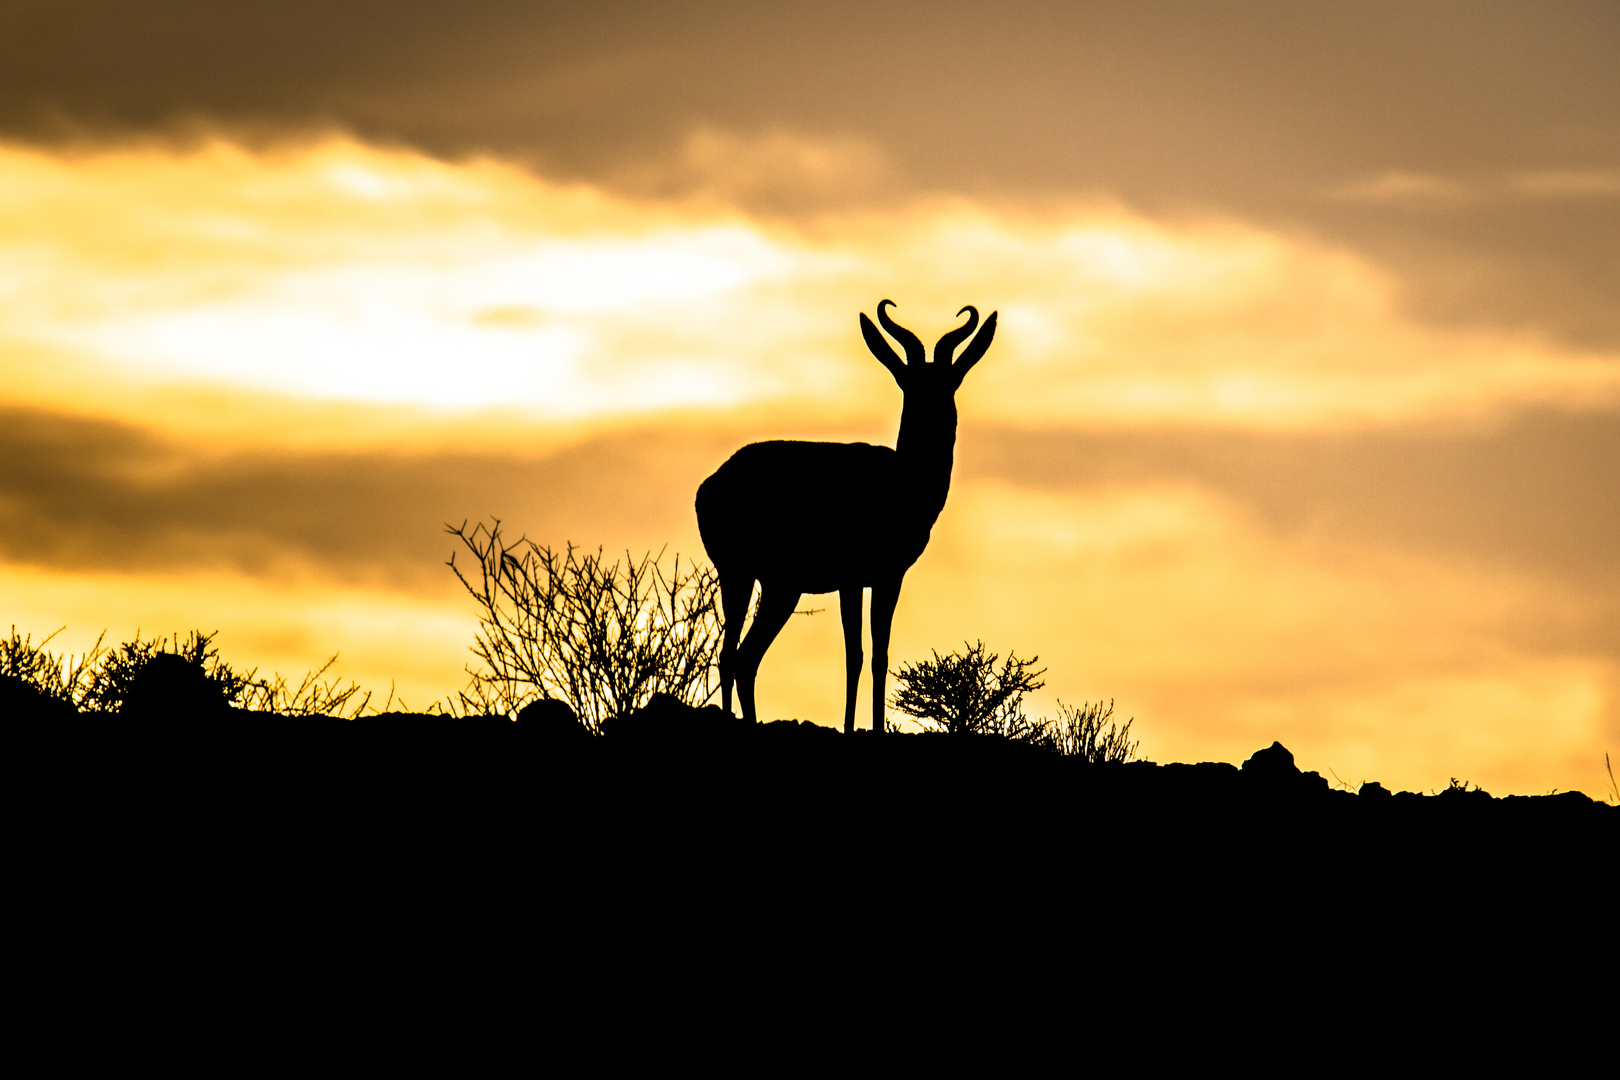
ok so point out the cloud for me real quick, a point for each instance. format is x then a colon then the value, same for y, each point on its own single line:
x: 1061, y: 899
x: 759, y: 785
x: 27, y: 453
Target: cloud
x: 1407, y: 189
x: 1434, y: 192
x: 87, y: 495
x: 1539, y: 492
x: 1116, y: 89
x: 1568, y: 184
x: 777, y: 172
x: 1182, y: 107
x: 339, y: 271
x: 1536, y: 496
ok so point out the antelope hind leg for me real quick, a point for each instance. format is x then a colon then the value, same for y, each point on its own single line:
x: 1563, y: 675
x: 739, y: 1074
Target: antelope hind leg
x: 735, y: 592
x: 775, y: 608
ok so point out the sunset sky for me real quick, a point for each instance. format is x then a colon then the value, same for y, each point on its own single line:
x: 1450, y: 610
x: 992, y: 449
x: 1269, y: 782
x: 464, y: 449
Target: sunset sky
x: 1302, y: 421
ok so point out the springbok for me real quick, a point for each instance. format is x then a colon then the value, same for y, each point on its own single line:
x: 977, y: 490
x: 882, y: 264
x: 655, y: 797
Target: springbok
x: 815, y: 517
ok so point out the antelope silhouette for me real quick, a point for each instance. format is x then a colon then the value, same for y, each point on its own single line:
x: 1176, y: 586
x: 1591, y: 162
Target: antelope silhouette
x: 816, y: 517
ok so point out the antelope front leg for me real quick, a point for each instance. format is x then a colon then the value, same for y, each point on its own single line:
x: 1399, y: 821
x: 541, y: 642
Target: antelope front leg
x: 884, y: 597
x: 849, y: 607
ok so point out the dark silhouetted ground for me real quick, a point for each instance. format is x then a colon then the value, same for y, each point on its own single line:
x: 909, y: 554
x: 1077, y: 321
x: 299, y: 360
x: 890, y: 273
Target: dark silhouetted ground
x: 682, y: 839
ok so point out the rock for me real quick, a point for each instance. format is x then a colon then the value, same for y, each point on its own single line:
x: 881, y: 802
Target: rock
x: 21, y: 700
x: 410, y: 724
x: 1460, y: 794
x: 1275, y: 762
x: 170, y: 687
x: 796, y: 731
x: 552, y: 721
x: 666, y: 718
x: 1206, y: 779
x: 1372, y: 789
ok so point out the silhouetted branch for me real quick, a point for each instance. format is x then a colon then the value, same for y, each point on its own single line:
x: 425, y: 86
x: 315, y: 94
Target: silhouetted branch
x: 63, y: 678
x: 602, y: 637
x: 312, y: 697
x: 1079, y: 732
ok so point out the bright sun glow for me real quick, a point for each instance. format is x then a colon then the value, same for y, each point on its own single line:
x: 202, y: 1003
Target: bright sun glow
x: 345, y: 272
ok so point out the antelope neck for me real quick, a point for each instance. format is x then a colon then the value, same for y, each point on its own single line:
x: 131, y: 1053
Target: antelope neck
x: 926, y: 447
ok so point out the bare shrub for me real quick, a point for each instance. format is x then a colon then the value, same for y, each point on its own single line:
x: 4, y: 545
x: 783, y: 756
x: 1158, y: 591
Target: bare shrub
x: 65, y: 678
x: 1080, y: 732
x: 964, y: 694
x: 603, y: 637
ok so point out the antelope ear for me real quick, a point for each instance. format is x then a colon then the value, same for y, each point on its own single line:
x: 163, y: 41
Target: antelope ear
x: 976, y: 348
x: 883, y: 350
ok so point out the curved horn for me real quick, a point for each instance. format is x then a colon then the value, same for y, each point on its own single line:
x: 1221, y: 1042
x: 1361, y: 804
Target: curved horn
x: 883, y: 351
x: 947, y: 344
x: 915, y: 353
x: 976, y: 348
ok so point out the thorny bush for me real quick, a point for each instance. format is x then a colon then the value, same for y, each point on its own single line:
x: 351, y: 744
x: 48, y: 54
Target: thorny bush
x: 100, y: 679
x: 115, y: 675
x: 964, y: 694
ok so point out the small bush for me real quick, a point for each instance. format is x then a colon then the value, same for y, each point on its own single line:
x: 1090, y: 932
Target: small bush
x: 114, y: 675
x: 1080, y: 733
x: 964, y: 694
x: 603, y: 637
x: 100, y: 680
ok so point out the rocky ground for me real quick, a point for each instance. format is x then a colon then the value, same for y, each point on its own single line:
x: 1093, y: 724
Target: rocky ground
x: 681, y: 828
x: 685, y: 859
x: 671, y: 759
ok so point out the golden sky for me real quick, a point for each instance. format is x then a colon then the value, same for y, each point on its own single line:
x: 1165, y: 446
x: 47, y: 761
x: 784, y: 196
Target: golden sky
x: 1302, y: 421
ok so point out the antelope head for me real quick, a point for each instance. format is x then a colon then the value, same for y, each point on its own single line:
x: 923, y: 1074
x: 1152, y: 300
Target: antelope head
x: 929, y: 415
